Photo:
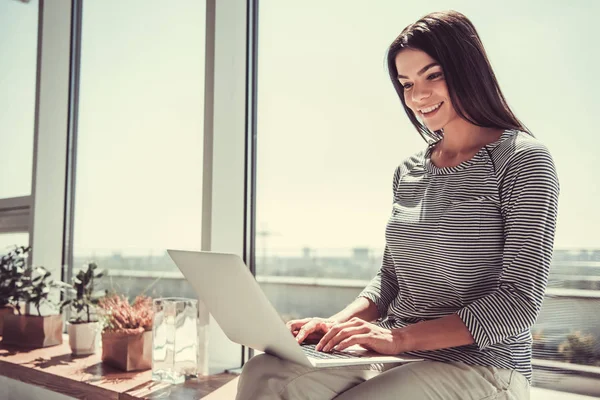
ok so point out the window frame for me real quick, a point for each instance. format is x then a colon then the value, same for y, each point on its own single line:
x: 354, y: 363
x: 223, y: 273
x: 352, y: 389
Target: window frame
x: 227, y: 211
x: 52, y: 129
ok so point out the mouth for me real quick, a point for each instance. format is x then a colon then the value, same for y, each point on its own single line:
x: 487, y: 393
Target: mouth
x: 431, y: 111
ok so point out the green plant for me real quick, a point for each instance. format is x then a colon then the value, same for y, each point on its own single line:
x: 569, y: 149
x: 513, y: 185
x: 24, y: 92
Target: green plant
x: 85, y: 298
x: 22, y: 283
x: 12, y: 268
x: 120, y: 316
x: 37, y: 286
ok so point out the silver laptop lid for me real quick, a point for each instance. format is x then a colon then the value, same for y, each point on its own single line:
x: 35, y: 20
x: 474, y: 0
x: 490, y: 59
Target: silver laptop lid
x: 235, y: 300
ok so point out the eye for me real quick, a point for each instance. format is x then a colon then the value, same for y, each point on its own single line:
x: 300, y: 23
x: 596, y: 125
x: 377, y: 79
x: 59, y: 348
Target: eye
x: 429, y: 77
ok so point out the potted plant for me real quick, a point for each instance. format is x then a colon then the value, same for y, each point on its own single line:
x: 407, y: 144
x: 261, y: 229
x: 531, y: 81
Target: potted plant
x: 12, y: 266
x: 31, y: 286
x: 127, y: 334
x: 83, y: 326
x: 580, y: 348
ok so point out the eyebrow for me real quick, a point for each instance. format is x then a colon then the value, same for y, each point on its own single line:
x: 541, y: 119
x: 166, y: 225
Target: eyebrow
x: 422, y: 71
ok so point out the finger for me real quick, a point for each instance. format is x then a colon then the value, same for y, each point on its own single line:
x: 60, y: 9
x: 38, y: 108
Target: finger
x: 334, y: 330
x: 306, y: 330
x: 314, y: 335
x: 313, y: 338
x: 313, y: 331
x: 344, y: 334
x: 296, y: 324
x: 361, y: 339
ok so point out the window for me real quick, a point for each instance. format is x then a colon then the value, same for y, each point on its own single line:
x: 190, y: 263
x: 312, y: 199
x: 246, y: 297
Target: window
x: 139, y: 156
x: 18, y: 50
x: 331, y: 132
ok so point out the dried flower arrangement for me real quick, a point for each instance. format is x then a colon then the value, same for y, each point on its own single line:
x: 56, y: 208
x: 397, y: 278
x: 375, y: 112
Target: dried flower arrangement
x: 122, y: 317
x: 127, y: 335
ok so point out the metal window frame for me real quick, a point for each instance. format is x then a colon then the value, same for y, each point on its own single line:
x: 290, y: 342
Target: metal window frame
x: 51, y: 135
x: 251, y: 144
x: 229, y: 146
x: 71, y: 153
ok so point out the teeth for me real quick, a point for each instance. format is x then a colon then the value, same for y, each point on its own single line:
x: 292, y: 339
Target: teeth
x: 430, y: 109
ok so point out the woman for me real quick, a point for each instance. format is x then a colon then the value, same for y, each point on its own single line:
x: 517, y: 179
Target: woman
x: 468, y: 244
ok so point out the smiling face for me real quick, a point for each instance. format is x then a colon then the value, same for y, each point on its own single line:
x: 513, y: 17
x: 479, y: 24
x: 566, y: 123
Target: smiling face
x: 425, y: 89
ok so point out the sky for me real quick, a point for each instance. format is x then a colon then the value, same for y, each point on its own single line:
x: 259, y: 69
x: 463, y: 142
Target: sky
x: 331, y: 129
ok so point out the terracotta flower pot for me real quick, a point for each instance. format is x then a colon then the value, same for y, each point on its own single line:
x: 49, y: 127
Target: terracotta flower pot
x: 84, y: 338
x: 127, y: 351
x: 32, y: 330
x: 3, y: 312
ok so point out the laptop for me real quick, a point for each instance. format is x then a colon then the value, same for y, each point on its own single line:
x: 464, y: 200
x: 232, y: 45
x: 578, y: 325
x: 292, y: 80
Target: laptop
x: 236, y: 301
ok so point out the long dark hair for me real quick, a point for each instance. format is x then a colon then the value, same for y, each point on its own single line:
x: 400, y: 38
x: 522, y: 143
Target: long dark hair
x: 451, y: 39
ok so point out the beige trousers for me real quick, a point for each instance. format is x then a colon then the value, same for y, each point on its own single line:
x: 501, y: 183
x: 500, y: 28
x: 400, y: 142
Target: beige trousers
x: 267, y: 377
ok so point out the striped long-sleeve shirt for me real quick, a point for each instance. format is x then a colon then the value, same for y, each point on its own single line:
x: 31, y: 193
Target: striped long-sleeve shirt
x: 474, y: 240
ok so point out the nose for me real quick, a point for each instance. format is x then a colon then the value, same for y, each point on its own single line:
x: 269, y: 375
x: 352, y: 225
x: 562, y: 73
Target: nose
x: 420, y: 93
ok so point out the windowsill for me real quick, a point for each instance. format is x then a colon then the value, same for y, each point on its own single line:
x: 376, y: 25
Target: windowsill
x: 55, y: 369
x: 583, y: 369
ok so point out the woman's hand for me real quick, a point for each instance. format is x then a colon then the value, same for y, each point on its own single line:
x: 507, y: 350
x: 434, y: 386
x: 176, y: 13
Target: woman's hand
x: 309, y: 329
x: 363, y: 333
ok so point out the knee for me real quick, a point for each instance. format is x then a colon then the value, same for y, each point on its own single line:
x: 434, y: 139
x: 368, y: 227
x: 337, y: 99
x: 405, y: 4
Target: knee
x: 260, y: 365
x: 255, y: 372
x: 265, y: 376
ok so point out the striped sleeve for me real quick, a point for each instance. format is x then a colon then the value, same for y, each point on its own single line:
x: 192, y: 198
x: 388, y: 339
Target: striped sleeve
x: 529, y: 192
x: 383, y: 288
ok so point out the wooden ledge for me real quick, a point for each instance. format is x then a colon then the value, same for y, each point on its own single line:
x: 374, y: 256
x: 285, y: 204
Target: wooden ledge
x: 56, y: 369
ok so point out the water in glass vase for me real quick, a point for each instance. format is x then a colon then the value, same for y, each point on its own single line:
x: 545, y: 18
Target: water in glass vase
x: 175, y: 339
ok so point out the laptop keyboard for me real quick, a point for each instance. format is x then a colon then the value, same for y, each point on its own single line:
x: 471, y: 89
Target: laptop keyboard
x: 309, y: 350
